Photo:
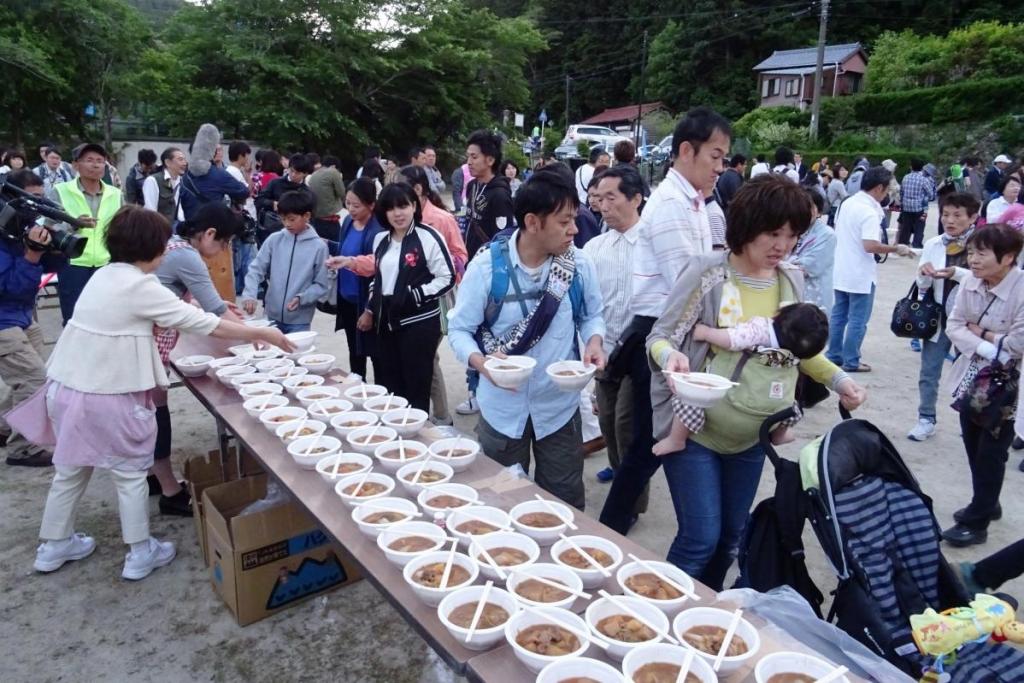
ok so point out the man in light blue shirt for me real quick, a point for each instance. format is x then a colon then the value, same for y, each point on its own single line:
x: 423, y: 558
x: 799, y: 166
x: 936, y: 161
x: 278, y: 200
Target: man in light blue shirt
x: 538, y: 319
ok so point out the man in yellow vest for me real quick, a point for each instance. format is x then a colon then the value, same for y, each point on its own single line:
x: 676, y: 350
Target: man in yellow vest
x: 95, y: 203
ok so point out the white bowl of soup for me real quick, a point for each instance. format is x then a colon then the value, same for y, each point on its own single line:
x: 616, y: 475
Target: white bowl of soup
x: 228, y: 372
x: 327, y: 409
x: 296, y: 384
x: 258, y: 405
x: 570, y: 375
x: 307, y: 451
x: 699, y: 389
x: 524, y: 585
x: 309, y: 396
x: 458, y: 452
x: 280, y: 374
x: 356, y: 489
x: 380, y: 514
x: 226, y: 361
x: 416, y: 476
x: 620, y: 628
x: 403, y: 542
x: 662, y: 662
x: 351, y: 420
x: 360, y: 393
x: 579, y: 669
x: 317, y: 363
x: 509, y: 550
x: 394, y: 455
x: 425, y: 574
x: 292, y: 431
x: 604, y: 551
x: 406, y: 421
x: 541, y: 521
x: 703, y: 629
x: 193, y: 366
x: 379, y: 405
x: 639, y: 582
x: 545, y: 635
x: 793, y: 667
x: 446, y: 497
x: 511, y: 372
x: 465, y: 523
x: 273, y: 364
x: 367, y: 439
x: 303, y: 340
x: 259, y: 389
x: 275, y: 417
x: 336, y: 466
x: 457, y: 609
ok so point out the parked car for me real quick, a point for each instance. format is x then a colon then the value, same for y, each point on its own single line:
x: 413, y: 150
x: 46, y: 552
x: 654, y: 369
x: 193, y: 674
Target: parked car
x: 647, y: 151
x: 598, y: 134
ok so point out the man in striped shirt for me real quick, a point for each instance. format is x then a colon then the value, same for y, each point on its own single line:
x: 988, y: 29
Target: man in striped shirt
x: 674, y: 226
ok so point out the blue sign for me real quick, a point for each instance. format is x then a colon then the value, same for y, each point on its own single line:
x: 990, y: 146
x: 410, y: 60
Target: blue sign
x: 543, y: 118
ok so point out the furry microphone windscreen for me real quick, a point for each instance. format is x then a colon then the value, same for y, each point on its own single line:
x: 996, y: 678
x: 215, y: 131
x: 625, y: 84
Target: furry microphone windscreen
x: 203, y: 149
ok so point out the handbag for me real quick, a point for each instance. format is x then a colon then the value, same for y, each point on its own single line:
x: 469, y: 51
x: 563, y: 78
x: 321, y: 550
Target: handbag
x: 988, y: 393
x: 916, y: 317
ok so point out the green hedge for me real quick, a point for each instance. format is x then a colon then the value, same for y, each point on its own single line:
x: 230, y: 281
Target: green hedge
x: 875, y: 155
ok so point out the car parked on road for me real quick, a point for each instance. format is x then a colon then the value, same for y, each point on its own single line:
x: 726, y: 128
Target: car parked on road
x: 599, y: 134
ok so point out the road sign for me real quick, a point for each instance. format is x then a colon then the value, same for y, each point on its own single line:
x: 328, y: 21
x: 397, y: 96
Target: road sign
x: 543, y: 118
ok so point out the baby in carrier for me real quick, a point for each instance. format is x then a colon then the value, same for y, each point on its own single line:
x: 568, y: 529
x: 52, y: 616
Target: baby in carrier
x: 801, y: 329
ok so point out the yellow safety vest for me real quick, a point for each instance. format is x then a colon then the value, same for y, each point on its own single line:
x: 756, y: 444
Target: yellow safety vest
x: 73, y: 200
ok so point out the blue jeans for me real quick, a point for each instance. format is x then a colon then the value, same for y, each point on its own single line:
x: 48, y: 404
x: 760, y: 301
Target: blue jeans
x: 712, y: 495
x: 292, y: 327
x: 242, y: 254
x: 847, y: 327
x: 933, y: 357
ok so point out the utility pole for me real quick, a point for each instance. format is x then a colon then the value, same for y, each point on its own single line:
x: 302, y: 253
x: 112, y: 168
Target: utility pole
x: 818, y: 75
x: 640, y: 104
x: 567, y: 79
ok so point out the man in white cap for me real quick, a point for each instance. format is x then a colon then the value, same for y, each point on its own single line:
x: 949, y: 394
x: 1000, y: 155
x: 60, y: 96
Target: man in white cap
x: 994, y: 178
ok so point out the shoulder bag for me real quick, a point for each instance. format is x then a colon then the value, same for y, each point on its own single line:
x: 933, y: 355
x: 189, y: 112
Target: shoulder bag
x: 915, y: 317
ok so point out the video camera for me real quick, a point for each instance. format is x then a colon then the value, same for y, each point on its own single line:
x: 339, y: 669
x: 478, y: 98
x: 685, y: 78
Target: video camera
x: 19, y: 211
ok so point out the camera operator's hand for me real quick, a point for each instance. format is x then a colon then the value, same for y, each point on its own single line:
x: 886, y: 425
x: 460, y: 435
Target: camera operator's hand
x: 39, y: 235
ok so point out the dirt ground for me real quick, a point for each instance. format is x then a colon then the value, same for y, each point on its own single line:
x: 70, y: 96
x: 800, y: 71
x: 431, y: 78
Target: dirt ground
x: 84, y: 623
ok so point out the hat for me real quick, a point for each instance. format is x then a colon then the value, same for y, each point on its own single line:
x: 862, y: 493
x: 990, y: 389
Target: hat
x: 889, y: 165
x: 77, y: 152
x: 1002, y: 159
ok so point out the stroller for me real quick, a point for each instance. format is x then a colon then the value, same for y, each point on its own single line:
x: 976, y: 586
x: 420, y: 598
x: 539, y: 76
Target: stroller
x: 878, y: 532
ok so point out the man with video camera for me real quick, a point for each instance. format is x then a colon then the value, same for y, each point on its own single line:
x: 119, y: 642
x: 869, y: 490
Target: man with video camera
x: 24, y: 257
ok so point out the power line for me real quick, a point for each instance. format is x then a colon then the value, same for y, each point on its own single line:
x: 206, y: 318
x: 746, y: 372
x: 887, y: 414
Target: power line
x: 725, y: 14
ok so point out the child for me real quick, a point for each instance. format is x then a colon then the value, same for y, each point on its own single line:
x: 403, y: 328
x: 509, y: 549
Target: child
x: 801, y: 329
x: 97, y: 405
x: 292, y: 260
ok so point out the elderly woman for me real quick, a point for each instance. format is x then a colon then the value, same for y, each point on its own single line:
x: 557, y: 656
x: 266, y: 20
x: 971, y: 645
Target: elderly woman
x: 987, y: 323
x: 714, y: 478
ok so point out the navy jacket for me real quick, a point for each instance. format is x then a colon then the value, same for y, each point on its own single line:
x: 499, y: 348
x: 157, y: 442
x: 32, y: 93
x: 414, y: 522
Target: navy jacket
x: 993, y: 179
x: 19, y: 282
x: 199, y: 190
x: 365, y: 345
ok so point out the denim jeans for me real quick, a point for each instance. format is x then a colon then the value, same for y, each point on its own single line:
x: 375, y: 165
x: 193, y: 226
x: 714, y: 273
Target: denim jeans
x: 933, y: 357
x: 847, y: 327
x: 712, y: 495
x: 242, y: 254
x: 292, y: 327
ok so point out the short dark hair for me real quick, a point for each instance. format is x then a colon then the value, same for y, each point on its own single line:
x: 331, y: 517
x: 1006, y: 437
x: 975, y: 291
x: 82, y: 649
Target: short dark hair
x: 595, y: 153
x: 816, y: 199
x: 801, y: 329
x: 963, y: 200
x: 624, y: 151
x: 331, y: 161
x: 364, y: 189
x: 301, y: 163
x: 415, y: 152
x: 548, y: 190
x: 168, y: 153
x: 271, y: 162
x: 489, y: 144
x: 296, y: 203
x: 504, y: 167
x: 765, y: 204
x: 372, y: 169
x: 147, y: 157
x: 15, y: 154
x: 52, y: 150
x: 874, y: 177
x: 783, y: 156
x: 737, y: 160
x: 136, y: 234
x: 630, y: 182
x: 314, y: 159
x: 760, y: 158
x: 1007, y: 179
x: 371, y: 152
x: 1001, y: 239
x: 227, y: 222
x: 917, y: 164
x: 24, y: 178
x: 697, y: 127
x: 238, y: 149
x: 396, y: 195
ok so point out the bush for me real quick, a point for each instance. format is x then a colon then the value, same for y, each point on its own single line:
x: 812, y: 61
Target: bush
x: 769, y: 119
x: 875, y: 156
x: 552, y: 139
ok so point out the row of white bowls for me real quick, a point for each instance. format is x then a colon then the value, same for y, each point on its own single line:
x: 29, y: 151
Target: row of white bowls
x: 512, y: 371
x: 268, y: 361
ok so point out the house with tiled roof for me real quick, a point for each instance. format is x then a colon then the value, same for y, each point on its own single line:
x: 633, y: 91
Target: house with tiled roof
x: 787, y: 77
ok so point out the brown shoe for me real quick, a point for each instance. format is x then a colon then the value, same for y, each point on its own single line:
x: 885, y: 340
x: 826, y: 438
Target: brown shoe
x: 36, y: 460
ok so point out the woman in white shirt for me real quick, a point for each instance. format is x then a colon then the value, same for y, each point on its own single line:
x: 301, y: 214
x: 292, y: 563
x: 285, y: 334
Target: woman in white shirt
x: 1009, y: 192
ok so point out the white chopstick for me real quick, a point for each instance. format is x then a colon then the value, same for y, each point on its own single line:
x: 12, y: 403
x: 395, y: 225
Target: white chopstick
x: 600, y: 642
x: 687, y: 663
x: 358, y: 488
x: 490, y: 560
x: 586, y: 556
x: 654, y: 570
x: 479, y: 610
x: 636, y: 615
x: 553, y: 510
x: 313, y: 445
x: 448, y: 567
x: 833, y: 675
x: 419, y: 472
x: 552, y: 584
x: 729, y: 633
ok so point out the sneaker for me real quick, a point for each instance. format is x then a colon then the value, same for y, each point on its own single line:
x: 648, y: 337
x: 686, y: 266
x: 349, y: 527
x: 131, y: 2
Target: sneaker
x: 40, y: 459
x: 967, y: 578
x: 140, y: 565
x: 915, y: 345
x: 960, y: 536
x: 923, y: 430
x: 180, y: 504
x: 469, y: 406
x: 52, y: 555
x: 606, y: 475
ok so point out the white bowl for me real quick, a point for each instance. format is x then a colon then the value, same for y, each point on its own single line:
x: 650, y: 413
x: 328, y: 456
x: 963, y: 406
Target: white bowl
x: 496, y: 517
x: 577, y: 381
x: 592, y: 577
x: 362, y: 392
x: 311, y: 395
x: 503, y: 539
x: 434, y: 596
x: 345, y: 462
x: 274, y: 363
x: 361, y: 512
x: 285, y: 371
x: 270, y: 418
x: 665, y: 653
x: 712, y: 616
x: 242, y: 350
x: 672, y: 572
x: 389, y: 455
x: 383, y: 404
x: 256, y: 406
x: 265, y: 354
x: 296, y: 384
x: 579, y: 668
x: 298, y: 449
x: 511, y: 378
x: 286, y: 431
x: 699, y: 389
x: 793, y: 662
x: 193, y: 366
x: 327, y: 409
x: 299, y: 353
x: 317, y: 363
x: 458, y: 463
x: 603, y: 608
x: 355, y: 438
x: 258, y: 389
x: 416, y: 419
x: 239, y: 381
x: 553, y: 572
x: 226, y: 373
x: 402, y: 529
x: 412, y: 468
x: 545, y: 615
x: 338, y: 421
x: 257, y: 322
x: 226, y: 361
x: 460, y: 490
x: 483, y: 638
x: 543, y: 535
x: 372, y: 478
x: 303, y: 340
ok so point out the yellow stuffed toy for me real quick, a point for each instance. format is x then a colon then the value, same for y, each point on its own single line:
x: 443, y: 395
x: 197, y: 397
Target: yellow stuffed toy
x: 987, y: 616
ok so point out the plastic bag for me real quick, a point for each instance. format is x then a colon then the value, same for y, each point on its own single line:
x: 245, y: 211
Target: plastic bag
x: 275, y: 496
x: 788, y: 613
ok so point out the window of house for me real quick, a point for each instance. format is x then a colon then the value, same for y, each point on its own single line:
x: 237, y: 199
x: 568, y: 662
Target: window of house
x: 765, y: 84
x: 790, y: 87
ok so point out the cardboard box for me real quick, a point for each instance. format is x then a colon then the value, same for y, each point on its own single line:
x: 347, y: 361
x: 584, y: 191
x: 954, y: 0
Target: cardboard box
x: 204, y: 471
x: 263, y: 562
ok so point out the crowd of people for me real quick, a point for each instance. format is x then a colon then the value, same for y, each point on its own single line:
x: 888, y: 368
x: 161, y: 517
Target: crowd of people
x: 712, y: 268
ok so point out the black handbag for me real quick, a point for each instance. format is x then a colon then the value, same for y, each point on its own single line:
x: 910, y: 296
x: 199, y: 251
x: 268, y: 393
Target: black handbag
x: 916, y: 318
x: 988, y: 393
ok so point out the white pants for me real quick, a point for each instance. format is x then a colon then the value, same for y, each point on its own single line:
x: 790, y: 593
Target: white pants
x: 69, y: 483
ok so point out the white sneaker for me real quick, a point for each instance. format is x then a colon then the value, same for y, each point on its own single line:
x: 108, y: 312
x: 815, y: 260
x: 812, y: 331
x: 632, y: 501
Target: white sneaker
x: 922, y: 430
x: 140, y: 565
x: 52, y: 555
x: 468, y: 407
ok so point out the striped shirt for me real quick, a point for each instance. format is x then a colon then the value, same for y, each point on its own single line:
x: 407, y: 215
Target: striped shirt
x: 612, y: 254
x: 673, y: 227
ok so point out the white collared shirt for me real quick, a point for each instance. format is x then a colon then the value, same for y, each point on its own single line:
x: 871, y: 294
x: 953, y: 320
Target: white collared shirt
x: 151, y: 193
x: 612, y: 254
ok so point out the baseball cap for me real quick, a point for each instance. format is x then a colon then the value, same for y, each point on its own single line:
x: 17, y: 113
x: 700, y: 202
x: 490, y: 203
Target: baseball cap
x: 77, y: 152
x: 1002, y: 159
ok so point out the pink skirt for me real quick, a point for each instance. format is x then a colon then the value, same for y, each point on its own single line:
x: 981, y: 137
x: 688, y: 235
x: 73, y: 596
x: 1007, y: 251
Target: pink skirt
x: 111, y: 431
